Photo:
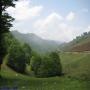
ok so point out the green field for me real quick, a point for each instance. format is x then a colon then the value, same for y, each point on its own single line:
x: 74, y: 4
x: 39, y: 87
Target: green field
x: 76, y: 69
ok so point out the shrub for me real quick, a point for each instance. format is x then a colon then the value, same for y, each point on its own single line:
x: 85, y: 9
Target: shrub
x: 28, y: 52
x: 16, y: 57
x: 35, y: 63
x: 47, y: 66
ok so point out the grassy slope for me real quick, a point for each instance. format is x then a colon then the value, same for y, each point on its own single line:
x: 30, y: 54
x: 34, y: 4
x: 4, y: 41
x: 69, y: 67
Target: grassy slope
x: 81, y: 44
x: 85, y: 46
x: 69, y: 60
x: 76, y: 65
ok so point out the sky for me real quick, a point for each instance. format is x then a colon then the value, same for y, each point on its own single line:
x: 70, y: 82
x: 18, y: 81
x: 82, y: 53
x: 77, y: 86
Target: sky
x: 60, y: 20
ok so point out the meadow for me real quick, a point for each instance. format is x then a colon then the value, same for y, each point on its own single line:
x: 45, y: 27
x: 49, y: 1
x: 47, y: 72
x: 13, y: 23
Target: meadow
x: 76, y: 75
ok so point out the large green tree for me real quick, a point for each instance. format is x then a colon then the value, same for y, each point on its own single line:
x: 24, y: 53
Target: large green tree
x: 5, y: 24
x: 50, y: 66
x: 46, y: 66
x: 35, y: 63
x: 16, y: 58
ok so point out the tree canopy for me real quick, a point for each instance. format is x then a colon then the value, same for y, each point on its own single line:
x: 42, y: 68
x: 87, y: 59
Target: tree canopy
x: 46, y: 66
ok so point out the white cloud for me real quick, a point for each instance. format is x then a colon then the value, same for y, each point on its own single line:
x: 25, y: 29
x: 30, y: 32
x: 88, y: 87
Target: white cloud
x: 70, y: 16
x: 53, y: 27
x: 53, y: 18
x: 88, y: 28
x: 23, y: 11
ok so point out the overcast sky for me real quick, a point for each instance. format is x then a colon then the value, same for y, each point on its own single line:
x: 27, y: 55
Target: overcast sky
x: 60, y: 20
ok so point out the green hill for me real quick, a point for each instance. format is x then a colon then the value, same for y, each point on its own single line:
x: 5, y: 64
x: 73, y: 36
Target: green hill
x: 79, y: 44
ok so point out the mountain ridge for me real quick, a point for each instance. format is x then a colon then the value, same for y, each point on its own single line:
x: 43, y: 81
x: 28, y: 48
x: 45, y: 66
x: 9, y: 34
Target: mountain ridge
x: 38, y: 44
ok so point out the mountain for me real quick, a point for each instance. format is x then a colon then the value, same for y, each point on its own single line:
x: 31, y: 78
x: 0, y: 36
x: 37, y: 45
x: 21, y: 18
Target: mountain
x: 79, y: 44
x: 37, y: 44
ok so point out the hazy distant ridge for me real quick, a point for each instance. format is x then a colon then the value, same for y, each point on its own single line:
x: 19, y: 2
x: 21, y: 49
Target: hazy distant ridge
x: 37, y: 43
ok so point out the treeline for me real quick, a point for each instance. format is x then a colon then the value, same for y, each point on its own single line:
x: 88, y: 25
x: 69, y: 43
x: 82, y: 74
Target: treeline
x: 85, y: 35
x: 19, y: 55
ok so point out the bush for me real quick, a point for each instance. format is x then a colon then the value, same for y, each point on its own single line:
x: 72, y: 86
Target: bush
x: 19, y: 54
x: 56, y: 63
x: 28, y: 52
x: 16, y: 57
x: 47, y: 66
x: 35, y: 63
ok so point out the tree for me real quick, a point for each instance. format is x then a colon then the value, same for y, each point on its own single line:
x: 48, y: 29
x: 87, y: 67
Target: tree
x: 47, y: 66
x: 57, y: 66
x: 35, y: 63
x: 5, y: 24
x: 28, y: 52
x: 18, y: 53
x: 16, y: 57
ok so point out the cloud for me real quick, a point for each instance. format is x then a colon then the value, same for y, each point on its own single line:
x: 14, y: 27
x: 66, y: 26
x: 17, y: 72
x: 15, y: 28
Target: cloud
x: 53, y: 18
x: 52, y: 27
x: 70, y: 16
x: 88, y: 28
x: 23, y: 11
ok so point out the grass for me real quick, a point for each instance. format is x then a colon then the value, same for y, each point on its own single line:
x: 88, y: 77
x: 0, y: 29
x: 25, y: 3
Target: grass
x: 74, y: 65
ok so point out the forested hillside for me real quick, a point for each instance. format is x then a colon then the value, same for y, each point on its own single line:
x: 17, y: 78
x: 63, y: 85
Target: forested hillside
x: 80, y: 43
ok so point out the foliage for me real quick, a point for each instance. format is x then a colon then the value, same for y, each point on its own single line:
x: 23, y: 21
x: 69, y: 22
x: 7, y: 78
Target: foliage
x: 11, y: 44
x: 47, y: 66
x: 57, y: 67
x: 5, y: 24
x: 35, y: 63
x: 16, y: 57
x: 9, y: 39
x: 28, y: 52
